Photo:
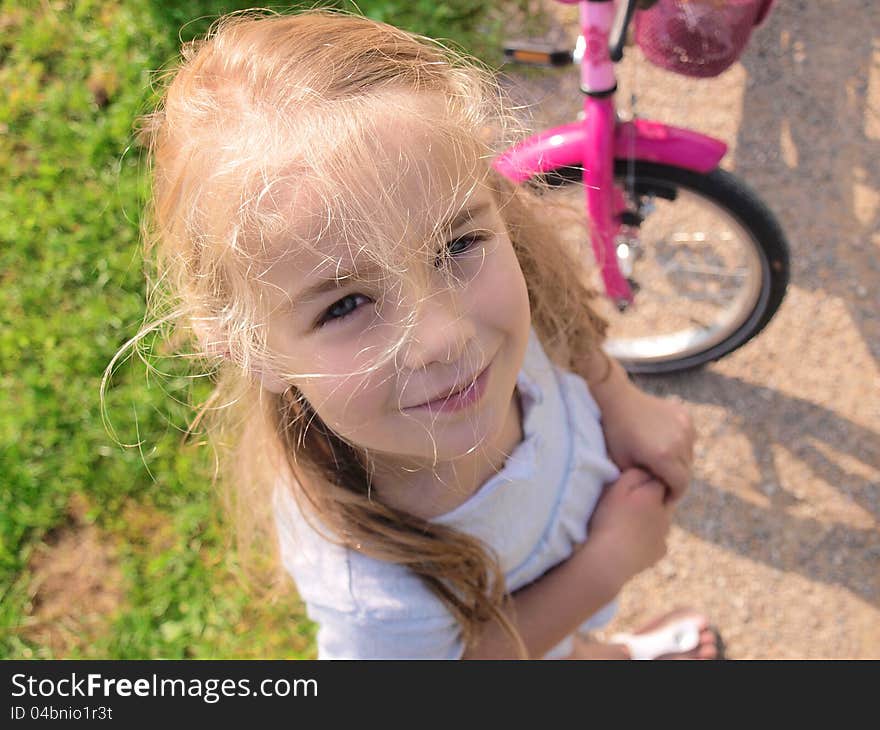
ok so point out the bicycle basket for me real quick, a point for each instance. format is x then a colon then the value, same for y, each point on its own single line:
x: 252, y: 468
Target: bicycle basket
x: 697, y: 37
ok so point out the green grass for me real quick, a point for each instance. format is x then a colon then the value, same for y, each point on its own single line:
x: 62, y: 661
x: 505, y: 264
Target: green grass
x: 72, y: 294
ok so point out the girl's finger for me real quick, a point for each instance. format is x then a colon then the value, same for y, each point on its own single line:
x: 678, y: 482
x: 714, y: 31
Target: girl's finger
x: 677, y: 478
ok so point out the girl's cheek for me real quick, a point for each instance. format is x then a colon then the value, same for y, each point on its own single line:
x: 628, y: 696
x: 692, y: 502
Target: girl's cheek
x: 347, y: 403
x: 500, y: 287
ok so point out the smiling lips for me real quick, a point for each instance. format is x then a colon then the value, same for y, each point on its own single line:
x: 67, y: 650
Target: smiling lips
x: 451, y: 398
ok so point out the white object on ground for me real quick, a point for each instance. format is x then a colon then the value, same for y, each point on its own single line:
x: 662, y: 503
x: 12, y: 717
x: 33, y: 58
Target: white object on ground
x: 676, y: 637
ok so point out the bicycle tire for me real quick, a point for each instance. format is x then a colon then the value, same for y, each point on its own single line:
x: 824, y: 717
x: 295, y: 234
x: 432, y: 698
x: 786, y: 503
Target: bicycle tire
x: 764, y: 235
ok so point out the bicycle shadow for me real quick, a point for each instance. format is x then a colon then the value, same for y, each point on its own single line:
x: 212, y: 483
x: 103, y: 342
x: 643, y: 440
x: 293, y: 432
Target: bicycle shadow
x: 772, y: 534
x: 809, y: 141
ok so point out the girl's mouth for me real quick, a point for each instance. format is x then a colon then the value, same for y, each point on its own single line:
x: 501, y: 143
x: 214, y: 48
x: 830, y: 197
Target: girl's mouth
x: 461, y: 400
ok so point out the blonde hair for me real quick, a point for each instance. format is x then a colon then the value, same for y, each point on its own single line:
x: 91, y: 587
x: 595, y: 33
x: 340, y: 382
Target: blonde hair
x: 269, y: 100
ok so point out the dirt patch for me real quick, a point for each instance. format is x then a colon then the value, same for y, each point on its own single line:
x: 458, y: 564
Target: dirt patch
x: 147, y: 527
x: 76, y: 587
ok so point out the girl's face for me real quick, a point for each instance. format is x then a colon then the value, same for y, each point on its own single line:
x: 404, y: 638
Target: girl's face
x: 480, y: 321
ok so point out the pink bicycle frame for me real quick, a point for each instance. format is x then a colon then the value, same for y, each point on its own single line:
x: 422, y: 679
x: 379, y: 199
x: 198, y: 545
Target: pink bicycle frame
x: 597, y: 140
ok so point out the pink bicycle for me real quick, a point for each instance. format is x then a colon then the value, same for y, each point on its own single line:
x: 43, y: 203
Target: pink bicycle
x: 693, y: 263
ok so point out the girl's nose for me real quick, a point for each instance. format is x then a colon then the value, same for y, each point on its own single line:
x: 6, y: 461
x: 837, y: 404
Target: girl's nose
x: 441, y: 332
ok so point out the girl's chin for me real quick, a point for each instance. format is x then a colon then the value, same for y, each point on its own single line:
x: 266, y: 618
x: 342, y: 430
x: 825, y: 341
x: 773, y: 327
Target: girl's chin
x: 454, y: 438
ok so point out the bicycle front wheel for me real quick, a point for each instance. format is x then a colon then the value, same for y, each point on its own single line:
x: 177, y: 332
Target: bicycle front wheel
x: 707, y: 259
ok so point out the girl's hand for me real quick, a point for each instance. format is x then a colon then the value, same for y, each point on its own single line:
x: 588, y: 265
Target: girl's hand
x: 629, y: 526
x: 642, y: 430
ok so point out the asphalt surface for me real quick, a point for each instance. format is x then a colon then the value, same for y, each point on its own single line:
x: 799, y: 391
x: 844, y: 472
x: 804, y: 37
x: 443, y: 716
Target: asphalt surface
x: 777, y: 540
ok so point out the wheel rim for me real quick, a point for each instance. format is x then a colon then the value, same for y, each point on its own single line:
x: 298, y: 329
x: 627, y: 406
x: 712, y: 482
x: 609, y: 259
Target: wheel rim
x: 701, y: 276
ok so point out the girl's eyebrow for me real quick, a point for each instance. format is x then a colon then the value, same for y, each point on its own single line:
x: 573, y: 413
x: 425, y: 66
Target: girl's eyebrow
x: 310, y: 292
x: 344, y: 277
x: 467, y: 213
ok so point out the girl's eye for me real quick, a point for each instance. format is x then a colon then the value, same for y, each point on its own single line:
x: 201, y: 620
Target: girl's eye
x: 346, y: 307
x: 341, y: 309
x: 464, y: 243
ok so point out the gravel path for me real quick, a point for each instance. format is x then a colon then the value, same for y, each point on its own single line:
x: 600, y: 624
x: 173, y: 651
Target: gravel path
x: 777, y: 540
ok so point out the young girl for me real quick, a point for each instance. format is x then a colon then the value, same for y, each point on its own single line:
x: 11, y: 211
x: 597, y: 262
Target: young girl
x: 410, y: 348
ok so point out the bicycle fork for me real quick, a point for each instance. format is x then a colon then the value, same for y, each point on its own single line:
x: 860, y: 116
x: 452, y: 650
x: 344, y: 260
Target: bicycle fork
x: 600, y: 117
x: 603, y: 200
x: 591, y: 142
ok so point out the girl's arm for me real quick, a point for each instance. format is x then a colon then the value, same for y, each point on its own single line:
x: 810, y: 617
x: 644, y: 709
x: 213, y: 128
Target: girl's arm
x: 627, y: 535
x: 642, y: 430
x: 552, y: 607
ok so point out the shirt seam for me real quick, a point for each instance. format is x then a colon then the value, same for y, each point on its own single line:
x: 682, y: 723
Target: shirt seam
x: 562, y: 489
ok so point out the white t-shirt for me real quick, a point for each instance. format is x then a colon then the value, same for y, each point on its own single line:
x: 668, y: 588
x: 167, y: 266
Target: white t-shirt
x: 531, y: 513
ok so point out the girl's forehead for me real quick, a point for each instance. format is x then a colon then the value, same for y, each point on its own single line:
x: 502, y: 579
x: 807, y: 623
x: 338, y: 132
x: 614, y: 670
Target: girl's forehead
x: 398, y: 192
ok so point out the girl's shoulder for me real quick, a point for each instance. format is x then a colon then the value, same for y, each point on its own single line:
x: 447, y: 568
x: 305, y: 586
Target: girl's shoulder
x: 364, y: 608
x: 329, y: 574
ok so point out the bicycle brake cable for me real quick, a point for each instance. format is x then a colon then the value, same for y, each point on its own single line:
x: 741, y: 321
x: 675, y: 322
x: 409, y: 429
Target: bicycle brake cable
x: 630, y: 184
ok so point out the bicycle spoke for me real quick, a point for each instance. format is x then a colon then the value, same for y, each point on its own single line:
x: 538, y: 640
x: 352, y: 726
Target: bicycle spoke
x: 708, y: 271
